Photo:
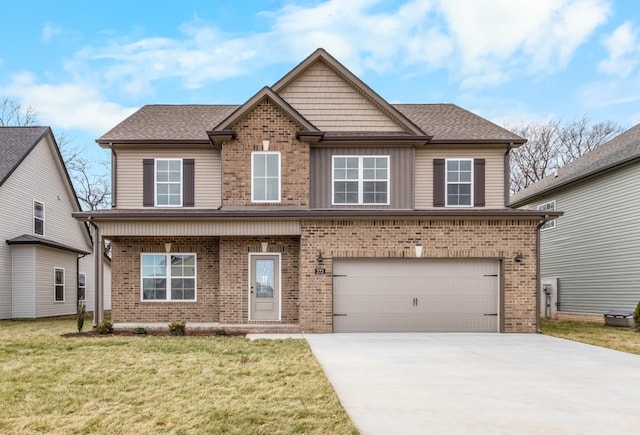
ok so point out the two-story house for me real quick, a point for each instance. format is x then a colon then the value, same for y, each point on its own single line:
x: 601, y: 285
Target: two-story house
x: 318, y: 206
x: 45, y: 266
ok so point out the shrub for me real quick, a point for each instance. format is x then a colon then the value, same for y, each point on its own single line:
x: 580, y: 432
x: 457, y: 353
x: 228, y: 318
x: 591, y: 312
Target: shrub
x: 220, y: 331
x: 177, y: 328
x: 105, y: 328
x: 140, y: 331
x: 636, y: 316
x: 81, y: 311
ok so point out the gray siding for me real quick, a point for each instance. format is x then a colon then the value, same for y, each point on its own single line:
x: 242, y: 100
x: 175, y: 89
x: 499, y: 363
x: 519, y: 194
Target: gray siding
x: 46, y: 260
x: 23, y: 282
x: 594, y: 249
x: 401, y: 166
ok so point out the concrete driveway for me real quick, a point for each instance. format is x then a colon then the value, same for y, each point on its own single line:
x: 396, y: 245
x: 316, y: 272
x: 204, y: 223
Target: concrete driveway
x: 480, y: 383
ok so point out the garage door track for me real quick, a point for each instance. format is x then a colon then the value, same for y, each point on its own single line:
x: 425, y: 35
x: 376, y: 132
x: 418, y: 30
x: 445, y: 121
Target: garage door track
x: 480, y: 383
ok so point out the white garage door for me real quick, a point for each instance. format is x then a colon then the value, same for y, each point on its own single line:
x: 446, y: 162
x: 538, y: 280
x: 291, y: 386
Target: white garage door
x: 407, y: 295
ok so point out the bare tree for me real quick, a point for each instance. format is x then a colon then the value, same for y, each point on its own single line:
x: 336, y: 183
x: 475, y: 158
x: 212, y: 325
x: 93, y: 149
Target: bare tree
x: 553, y: 144
x: 92, y: 186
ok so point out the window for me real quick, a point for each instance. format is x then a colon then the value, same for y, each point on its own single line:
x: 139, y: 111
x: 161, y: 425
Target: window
x: 82, y: 286
x: 168, y: 277
x: 58, y: 284
x: 548, y: 206
x: 169, y: 182
x: 459, y: 176
x: 361, y: 180
x: 38, y: 218
x: 265, y: 177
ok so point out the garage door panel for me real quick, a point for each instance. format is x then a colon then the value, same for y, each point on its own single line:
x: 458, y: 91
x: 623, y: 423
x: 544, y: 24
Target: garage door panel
x: 415, y: 295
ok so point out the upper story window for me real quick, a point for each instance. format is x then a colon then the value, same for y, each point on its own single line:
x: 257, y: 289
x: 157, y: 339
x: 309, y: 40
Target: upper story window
x: 361, y: 180
x: 168, y: 277
x: 38, y: 218
x: 168, y: 182
x: 265, y: 176
x: 459, y: 182
x: 548, y: 206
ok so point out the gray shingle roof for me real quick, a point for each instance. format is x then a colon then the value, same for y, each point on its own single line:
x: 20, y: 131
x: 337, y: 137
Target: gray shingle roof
x: 445, y: 122
x: 15, y: 145
x: 618, y: 151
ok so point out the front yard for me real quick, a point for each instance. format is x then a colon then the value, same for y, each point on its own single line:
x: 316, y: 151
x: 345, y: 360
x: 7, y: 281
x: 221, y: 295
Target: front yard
x: 612, y: 337
x: 117, y: 384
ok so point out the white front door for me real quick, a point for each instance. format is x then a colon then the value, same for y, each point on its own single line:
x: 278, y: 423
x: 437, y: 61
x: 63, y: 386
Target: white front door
x: 264, y: 287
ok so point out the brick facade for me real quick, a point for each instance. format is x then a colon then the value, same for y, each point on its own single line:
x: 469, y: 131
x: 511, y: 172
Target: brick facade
x: 266, y: 122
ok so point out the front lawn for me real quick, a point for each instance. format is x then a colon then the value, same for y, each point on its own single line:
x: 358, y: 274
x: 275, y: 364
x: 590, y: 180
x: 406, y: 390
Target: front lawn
x: 612, y: 337
x: 118, y: 384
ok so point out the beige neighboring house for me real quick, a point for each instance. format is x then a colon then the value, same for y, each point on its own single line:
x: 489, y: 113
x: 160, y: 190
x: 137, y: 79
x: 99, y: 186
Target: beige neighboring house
x: 45, y: 260
x: 318, y: 206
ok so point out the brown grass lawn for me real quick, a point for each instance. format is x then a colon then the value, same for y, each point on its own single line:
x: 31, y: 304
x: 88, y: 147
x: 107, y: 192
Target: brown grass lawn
x: 177, y: 385
x: 612, y: 337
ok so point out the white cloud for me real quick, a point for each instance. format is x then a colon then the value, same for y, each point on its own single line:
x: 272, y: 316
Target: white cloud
x: 67, y: 105
x: 49, y: 31
x: 623, y: 47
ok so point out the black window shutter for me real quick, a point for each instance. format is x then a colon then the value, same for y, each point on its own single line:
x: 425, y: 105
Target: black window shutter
x: 188, y: 184
x: 478, y: 183
x: 438, y: 183
x: 148, y: 167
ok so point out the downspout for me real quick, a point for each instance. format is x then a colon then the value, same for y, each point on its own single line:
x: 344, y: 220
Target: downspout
x: 546, y: 219
x: 97, y: 251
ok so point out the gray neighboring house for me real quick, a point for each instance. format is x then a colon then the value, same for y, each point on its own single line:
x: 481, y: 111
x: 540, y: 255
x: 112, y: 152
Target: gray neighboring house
x: 45, y: 261
x: 590, y: 257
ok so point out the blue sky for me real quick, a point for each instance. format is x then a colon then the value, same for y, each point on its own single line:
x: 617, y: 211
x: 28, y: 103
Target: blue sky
x: 85, y: 65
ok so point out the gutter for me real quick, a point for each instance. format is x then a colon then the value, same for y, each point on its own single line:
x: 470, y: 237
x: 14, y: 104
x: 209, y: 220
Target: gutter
x: 546, y: 219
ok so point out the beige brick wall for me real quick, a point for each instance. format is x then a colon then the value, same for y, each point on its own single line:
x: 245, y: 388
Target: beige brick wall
x: 126, y: 304
x: 459, y: 238
x: 580, y: 317
x: 265, y: 122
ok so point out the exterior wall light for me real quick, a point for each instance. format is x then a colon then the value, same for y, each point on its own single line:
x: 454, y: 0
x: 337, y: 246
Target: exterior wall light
x: 320, y: 258
x: 519, y: 257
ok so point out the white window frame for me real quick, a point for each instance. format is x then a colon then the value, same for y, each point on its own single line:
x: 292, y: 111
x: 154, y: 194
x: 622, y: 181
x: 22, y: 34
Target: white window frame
x: 253, y: 177
x: 35, y: 201
x: 360, y: 179
x: 545, y: 207
x: 83, y: 287
x: 168, y: 277
x: 447, y: 183
x: 155, y: 182
x: 55, y: 284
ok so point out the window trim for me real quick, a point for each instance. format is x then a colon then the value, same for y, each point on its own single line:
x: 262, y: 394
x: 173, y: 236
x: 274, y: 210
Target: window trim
x: 168, y: 278
x: 360, y: 180
x: 471, y: 183
x: 155, y: 182
x: 542, y: 207
x: 56, y: 285
x: 35, y: 201
x: 263, y: 201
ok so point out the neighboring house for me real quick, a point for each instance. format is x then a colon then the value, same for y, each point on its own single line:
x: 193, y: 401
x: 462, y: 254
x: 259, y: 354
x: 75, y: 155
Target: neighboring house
x: 590, y: 256
x: 44, y: 261
x: 317, y: 206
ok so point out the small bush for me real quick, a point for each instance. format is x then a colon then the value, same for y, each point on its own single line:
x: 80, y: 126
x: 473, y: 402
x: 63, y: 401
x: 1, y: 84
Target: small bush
x: 105, y: 328
x: 140, y: 331
x: 81, y: 312
x: 636, y: 316
x: 220, y: 331
x: 177, y: 328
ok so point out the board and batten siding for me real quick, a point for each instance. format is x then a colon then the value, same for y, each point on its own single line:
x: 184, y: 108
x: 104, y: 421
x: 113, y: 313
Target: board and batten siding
x: 332, y: 104
x: 207, y: 182
x: 401, y: 175
x: 39, y: 178
x: 266, y: 227
x: 23, y: 282
x: 594, y: 248
x: 494, y: 173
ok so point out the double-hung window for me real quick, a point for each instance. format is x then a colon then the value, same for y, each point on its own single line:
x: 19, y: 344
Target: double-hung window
x: 361, y: 180
x: 459, y: 182
x: 168, y: 277
x: 58, y: 284
x: 265, y: 176
x: 548, y: 206
x: 168, y: 182
x: 38, y: 218
x: 82, y: 286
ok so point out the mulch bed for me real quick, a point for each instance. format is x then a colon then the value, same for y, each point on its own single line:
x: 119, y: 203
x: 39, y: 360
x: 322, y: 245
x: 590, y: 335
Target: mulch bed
x: 194, y: 332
